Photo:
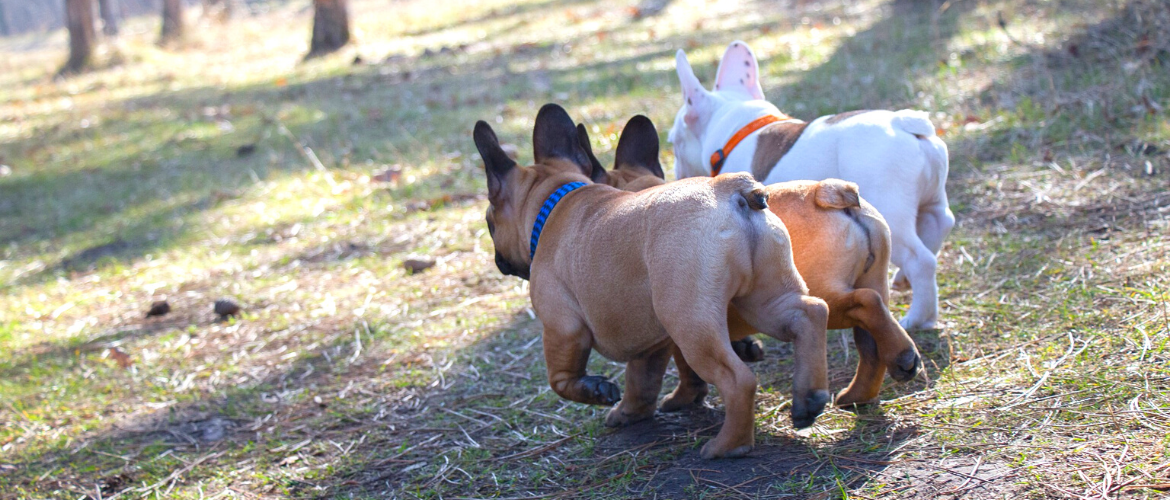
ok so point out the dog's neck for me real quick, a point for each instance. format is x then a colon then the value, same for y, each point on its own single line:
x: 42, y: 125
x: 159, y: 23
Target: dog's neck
x: 546, y: 210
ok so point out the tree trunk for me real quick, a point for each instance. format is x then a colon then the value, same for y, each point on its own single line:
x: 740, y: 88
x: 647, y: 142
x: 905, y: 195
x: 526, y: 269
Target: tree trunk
x: 330, y: 27
x: 4, y: 29
x: 79, y: 19
x: 172, y: 21
x: 108, y: 10
x: 224, y: 8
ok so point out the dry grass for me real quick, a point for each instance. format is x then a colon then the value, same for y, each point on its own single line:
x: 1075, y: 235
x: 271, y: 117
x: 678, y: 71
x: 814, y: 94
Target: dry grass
x: 349, y: 376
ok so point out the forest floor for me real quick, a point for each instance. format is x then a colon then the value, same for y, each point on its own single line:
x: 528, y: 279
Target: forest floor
x: 184, y: 174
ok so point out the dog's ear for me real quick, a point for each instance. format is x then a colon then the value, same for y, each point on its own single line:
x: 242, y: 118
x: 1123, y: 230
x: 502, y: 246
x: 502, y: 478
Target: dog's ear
x: 836, y: 193
x: 738, y: 70
x: 638, y: 146
x: 555, y: 136
x: 597, y: 175
x: 697, y: 101
x: 496, y: 162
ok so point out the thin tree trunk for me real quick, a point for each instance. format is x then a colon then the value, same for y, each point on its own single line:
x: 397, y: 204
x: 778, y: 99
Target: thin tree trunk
x: 109, y: 18
x: 4, y: 29
x: 79, y: 19
x: 330, y: 27
x: 172, y: 21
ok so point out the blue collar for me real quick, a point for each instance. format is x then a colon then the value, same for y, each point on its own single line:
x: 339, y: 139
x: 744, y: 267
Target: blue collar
x: 547, y: 209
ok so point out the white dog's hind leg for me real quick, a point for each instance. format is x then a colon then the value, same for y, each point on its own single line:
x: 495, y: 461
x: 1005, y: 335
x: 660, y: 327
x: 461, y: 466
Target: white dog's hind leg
x: 934, y: 224
x: 920, y: 266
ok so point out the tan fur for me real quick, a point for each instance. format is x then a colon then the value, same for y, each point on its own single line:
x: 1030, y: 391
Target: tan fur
x: 773, y: 143
x: 616, y: 272
x: 632, y: 178
x: 841, y: 247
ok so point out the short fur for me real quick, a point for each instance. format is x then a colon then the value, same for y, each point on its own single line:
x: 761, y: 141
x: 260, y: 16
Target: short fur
x: 841, y: 247
x: 895, y: 158
x: 617, y: 272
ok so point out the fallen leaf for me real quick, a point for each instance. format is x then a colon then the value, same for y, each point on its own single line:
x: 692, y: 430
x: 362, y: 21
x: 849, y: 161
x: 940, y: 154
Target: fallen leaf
x: 120, y: 357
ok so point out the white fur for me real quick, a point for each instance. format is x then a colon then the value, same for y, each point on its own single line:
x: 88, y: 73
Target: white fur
x: 894, y: 157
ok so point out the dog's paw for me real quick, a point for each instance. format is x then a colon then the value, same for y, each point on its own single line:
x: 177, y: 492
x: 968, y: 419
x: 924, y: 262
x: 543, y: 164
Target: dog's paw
x: 710, y: 452
x: 851, y: 397
x: 599, y: 391
x: 901, y: 282
x: 674, y: 402
x: 905, y: 366
x: 914, y: 324
x: 749, y: 349
x: 617, y: 417
x: 805, y: 410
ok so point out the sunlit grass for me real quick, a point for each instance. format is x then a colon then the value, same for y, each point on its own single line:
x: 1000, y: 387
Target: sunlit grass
x: 127, y: 187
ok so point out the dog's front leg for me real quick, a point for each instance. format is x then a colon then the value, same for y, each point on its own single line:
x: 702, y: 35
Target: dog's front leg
x: 566, y: 352
x: 643, y: 383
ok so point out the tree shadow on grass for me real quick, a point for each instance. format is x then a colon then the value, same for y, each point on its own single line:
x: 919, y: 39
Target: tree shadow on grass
x: 503, y: 431
x: 875, y: 68
x: 139, y: 180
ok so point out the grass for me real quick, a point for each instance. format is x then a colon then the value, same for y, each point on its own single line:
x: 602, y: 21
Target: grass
x: 348, y: 376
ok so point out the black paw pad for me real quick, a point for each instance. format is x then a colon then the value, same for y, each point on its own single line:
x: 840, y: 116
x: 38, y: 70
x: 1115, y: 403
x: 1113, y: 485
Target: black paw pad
x: 600, y: 391
x: 907, y: 366
x: 748, y: 349
x: 805, y: 412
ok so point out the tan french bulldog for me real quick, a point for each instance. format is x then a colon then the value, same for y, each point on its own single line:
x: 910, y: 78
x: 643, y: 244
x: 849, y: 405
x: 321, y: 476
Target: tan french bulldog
x: 841, y: 247
x: 636, y: 275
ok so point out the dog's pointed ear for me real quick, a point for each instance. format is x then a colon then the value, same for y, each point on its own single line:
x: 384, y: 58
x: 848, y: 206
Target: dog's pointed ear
x: 696, y: 98
x: 638, y: 146
x: 738, y: 70
x: 555, y: 136
x: 496, y: 163
x: 597, y: 175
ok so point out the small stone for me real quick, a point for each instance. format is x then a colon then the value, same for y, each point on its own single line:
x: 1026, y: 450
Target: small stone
x: 158, y: 308
x: 418, y: 264
x: 226, y: 308
x: 214, y: 429
x: 5, y: 170
x: 245, y: 150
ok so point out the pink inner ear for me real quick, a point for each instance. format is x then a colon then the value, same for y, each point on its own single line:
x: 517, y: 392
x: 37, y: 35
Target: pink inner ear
x: 736, y: 70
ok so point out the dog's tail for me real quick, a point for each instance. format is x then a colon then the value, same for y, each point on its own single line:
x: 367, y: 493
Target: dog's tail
x: 836, y: 193
x: 755, y: 197
x: 918, y: 124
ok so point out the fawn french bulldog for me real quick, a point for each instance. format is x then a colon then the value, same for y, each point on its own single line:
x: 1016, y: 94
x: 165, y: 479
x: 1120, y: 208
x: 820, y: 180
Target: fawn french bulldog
x: 895, y: 158
x: 621, y: 273
x: 841, y: 248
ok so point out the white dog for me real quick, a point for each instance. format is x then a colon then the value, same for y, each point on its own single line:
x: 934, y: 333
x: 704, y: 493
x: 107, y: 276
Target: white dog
x: 894, y: 157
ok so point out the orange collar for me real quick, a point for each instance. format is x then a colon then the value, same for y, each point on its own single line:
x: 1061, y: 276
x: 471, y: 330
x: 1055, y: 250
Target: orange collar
x: 719, y: 156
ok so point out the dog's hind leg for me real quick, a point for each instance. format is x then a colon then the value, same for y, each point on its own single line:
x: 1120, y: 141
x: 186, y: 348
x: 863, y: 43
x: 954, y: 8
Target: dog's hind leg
x: 800, y: 319
x: 566, y: 352
x: 643, y: 383
x: 881, y: 344
x: 703, y: 342
x: 934, y: 224
x: 691, y: 390
x: 920, y: 266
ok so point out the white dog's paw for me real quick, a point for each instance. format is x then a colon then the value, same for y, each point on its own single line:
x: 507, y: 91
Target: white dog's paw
x: 901, y: 282
x: 910, y: 324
